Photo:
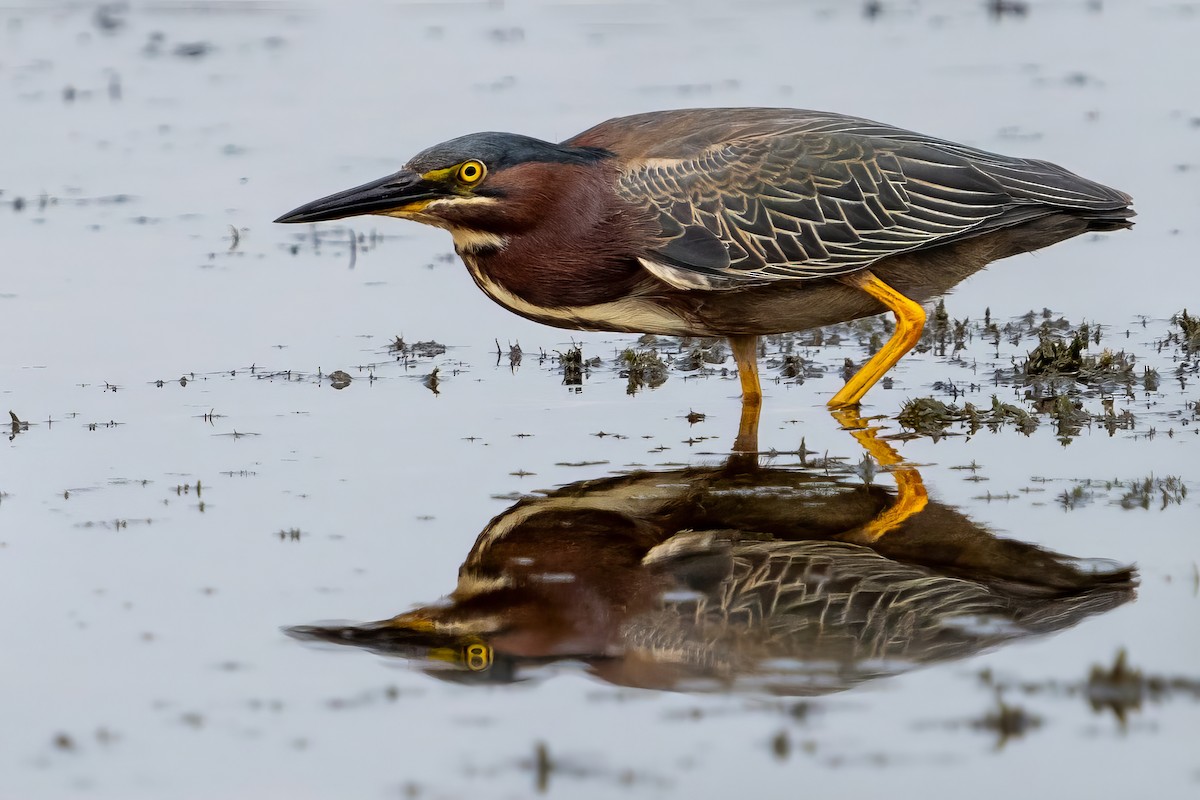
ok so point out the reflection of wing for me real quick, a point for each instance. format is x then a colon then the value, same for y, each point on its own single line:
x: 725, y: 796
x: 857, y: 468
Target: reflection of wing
x: 762, y: 194
x: 831, y: 600
x: 839, y: 612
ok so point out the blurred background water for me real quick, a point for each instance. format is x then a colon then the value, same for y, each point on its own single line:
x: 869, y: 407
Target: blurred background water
x: 189, y: 484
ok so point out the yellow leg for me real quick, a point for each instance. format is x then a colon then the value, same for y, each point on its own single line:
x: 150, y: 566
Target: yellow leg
x: 745, y: 353
x: 911, y: 495
x: 910, y: 320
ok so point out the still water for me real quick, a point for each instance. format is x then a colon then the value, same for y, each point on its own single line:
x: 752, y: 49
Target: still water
x: 200, y: 538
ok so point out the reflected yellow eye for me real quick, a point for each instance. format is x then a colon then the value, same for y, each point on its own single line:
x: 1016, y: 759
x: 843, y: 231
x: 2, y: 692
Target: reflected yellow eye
x: 471, y: 172
x: 478, y: 657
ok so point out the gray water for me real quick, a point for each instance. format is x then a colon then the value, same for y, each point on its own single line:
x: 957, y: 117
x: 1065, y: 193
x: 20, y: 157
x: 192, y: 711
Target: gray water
x: 189, y: 484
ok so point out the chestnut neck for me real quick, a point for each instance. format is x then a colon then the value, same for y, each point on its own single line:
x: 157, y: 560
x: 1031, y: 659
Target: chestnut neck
x: 569, y: 240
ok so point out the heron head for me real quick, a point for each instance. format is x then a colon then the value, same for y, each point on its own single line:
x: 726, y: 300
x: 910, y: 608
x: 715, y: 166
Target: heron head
x: 487, y: 184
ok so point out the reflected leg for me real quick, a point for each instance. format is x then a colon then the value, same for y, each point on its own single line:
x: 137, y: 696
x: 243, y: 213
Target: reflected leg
x: 747, y: 436
x: 911, y: 496
x: 745, y: 353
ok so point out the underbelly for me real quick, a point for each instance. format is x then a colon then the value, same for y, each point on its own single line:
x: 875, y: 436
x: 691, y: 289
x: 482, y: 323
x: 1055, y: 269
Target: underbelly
x: 779, y: 307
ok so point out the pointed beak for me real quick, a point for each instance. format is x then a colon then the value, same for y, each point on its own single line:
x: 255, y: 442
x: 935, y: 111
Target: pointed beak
x: 403, y: 192
x: 412, y: 635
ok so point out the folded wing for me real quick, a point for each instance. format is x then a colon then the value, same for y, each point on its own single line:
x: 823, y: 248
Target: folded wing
x: 808, y: 195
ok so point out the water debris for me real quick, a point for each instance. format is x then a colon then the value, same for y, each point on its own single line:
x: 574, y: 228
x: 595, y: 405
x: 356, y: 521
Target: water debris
x: 1053, y: 355
x: 118, y: 524
x: 428, y: 349
x: 1075, y: 497
x: 236, y: 434
x: 999, y: 9
x: 1189, y: 331
x: 939, y: 327
x: 542, y: 766
x: 642, y: 368
x: 867, y: 469
x: 1056, y: 357
x: 926, y: 416
x: 339, y: 379
x: 796, y: 368
x: 289, y: 534
x: 514, y: 355
x: 404, y: 351
x: 192, y: 49
x: 781, y: 745
x: 1167, y: 491
x: 1122, y: 688
x: 1069, y: 417
x: 695, y: 416
x: 572, y: 366
x: 988, y: 497
x: 701, y: 354
x: 1119, y: 688
x: 1141, y: 493
x: 1007, y: 722
x: 431, y: 381
x: 110, y: 17
x: 16, y: 426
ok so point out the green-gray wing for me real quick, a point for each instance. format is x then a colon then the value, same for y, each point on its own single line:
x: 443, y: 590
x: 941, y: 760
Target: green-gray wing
x: 829, y: 195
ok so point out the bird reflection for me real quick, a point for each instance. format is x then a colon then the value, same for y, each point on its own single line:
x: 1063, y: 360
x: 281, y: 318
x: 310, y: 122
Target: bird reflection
x: 795, y: 580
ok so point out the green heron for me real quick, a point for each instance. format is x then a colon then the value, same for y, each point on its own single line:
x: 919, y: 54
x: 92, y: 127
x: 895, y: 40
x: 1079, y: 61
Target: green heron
x: 734, y: 222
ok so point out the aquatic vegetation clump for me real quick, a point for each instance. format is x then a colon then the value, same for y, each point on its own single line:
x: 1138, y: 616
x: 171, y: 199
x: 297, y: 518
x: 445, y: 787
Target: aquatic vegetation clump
x: 643, y: 368
x: 929, y: 417
x: 1189, y: 331
x: 571, y: 364
x: 1057, y: 363
x: 1164, y: 492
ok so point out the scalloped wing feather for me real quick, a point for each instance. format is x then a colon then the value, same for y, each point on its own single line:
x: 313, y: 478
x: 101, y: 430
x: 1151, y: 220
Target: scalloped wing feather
x: 801, y: 195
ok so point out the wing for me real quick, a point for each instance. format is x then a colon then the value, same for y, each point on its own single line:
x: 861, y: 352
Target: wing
x: 805, y: 196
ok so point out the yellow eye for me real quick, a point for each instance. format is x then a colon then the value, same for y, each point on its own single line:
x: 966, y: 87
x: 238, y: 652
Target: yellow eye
x: 471, y: 172
x: 478, y: 657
